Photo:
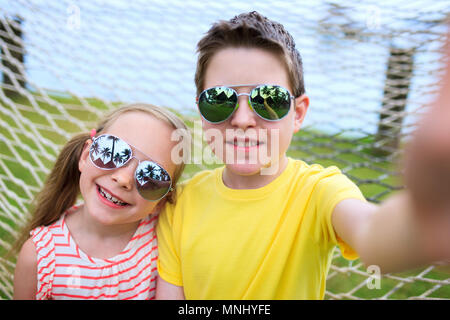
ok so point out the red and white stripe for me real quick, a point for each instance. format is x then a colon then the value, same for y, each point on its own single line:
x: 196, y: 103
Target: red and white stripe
x: 66, y: 272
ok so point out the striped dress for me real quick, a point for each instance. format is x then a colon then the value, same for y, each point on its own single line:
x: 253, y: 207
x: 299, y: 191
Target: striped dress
x: 64, y: 271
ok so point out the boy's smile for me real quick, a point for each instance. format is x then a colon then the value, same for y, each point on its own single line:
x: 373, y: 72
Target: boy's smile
x: 250, y: 143
x: 244, y: 143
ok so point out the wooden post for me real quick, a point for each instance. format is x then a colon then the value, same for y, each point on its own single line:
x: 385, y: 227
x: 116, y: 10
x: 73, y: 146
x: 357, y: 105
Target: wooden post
x: 398, y: 78
x: 16, y: 50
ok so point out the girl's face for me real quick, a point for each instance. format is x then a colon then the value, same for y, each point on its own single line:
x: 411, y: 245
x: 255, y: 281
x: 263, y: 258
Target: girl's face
x: 151, y: 137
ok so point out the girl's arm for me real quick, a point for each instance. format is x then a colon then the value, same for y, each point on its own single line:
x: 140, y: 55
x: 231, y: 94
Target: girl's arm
x: 168, y: 291
x: 25, y: 276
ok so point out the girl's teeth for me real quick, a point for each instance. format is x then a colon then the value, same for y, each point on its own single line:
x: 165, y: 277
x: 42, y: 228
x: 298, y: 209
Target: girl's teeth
x: 111, y: 198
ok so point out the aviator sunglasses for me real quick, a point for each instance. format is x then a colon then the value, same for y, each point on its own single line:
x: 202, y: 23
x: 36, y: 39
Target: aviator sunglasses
x: 270, y: 102
x: 109, y: 152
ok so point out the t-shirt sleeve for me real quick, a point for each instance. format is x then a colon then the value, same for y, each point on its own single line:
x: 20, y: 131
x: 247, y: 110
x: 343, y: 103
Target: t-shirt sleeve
x: 169, y: 267
x: 331, y: 190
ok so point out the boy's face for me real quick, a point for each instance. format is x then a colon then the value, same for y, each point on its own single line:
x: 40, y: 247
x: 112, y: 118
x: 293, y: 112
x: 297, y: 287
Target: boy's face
x: 247, y: 143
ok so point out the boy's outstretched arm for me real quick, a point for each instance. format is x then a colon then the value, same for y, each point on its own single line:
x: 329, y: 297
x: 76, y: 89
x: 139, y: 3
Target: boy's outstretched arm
x: 411, y: 228
x: 390, y: 235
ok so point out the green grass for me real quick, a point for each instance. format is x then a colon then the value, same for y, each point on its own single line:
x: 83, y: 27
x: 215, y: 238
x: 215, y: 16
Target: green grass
x: 375, y: 176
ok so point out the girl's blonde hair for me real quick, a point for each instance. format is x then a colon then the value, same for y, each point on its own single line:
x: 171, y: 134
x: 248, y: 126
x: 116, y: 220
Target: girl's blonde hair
x: 61, y: 189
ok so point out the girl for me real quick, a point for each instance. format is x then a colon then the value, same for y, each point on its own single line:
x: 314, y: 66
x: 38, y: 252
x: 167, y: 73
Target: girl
x: 106, y: 247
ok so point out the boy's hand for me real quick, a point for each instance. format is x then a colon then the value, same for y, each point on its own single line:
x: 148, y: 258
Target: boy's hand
x: 427, y: 171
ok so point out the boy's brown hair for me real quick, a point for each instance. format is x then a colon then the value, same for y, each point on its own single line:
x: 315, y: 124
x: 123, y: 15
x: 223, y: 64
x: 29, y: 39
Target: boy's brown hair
x: 251, y: 30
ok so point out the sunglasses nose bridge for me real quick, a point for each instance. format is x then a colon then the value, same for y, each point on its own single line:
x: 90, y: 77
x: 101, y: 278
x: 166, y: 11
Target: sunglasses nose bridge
x: 247, y: 100
x: 243, y: 94
x: 244, y: 115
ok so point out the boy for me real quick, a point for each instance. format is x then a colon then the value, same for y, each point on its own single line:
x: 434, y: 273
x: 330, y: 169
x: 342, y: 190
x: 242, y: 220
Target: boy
x: 238, y: 232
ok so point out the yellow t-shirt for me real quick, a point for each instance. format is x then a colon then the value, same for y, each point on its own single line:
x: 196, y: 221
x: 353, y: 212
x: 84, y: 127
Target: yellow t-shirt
x: 275, y: 242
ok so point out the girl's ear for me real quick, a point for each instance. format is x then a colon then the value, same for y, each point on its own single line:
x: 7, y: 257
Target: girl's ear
x: 84, y: 155
x: 300, y: 108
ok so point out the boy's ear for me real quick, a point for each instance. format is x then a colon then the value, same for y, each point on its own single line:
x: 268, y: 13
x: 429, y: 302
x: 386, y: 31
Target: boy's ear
x: 301, y: 105
x: 84, y: 155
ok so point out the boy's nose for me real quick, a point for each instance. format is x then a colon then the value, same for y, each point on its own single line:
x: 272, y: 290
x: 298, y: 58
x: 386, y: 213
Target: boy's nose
x: 243, y: 117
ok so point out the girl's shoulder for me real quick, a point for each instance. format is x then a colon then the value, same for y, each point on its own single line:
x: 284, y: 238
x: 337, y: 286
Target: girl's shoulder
x: 44, y: 232
x: 43, y: 237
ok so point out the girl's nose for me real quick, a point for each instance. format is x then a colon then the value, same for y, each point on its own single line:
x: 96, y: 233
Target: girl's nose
x: 243, y: 117
x: 124, y: 176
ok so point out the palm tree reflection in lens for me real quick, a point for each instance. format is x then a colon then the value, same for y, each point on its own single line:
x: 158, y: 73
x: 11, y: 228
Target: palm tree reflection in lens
x: 110, y: 152
x: 153, y: 181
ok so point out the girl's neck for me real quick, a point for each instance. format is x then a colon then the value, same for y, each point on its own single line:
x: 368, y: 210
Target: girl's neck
x: 101, y: 230
x: 96, y: 239
x: 259, y: 180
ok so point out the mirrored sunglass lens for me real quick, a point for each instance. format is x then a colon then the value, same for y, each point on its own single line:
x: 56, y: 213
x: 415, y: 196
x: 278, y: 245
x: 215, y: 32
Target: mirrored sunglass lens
x: 270, y: 102
x: 109, y: 152
x: 217, y: 104
x: 152, y: 181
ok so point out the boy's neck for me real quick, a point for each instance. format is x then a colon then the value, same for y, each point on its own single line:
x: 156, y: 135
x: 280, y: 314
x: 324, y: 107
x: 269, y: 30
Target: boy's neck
x: 236, y: 181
